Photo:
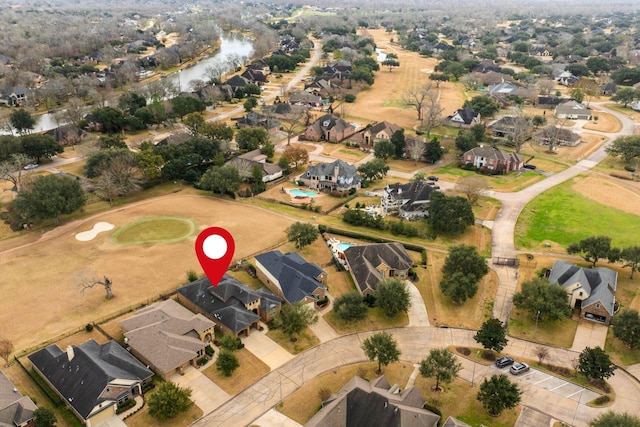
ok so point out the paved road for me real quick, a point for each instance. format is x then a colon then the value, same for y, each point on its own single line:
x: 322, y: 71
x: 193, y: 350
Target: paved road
x: 415, y: 343
x: 502, y: 232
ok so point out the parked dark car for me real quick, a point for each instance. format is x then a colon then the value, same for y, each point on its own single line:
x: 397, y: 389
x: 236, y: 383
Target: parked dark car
x: 529, y: 166
x: 503, y: 362
x: 519, y: 368
x: 432, y: 178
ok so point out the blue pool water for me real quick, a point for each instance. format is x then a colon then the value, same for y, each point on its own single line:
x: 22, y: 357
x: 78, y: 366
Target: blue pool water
x: 302, y: 193
x: 343, y: 246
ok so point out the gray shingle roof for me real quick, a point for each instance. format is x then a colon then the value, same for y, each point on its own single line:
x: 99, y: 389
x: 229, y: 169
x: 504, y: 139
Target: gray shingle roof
x: 226, y: 302
x: 15, y: 408
x: 416, y: 194
x: 495, y: 153
x: 363, y: 403
x: 598, y: 282
x: 83, y: 379
x: 364, y: 259
x: 347, y: 173
x: 296, y: 276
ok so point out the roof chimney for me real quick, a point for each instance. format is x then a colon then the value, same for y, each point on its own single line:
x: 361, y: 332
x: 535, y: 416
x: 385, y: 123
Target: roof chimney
x: 70, y: 353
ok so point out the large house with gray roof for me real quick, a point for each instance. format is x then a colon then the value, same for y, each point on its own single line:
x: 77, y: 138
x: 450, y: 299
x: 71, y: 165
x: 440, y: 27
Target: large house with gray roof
x: 16, y: 410
x: 232, y: 306
x: 168, y: 337
x: 92, y: 378
x: 464, y: 118
x: 291, y: 277
x: 572, y: 110
x: 374, y: 404
x: 410, y: 200
x: 591, y: 290
x: 337, y: 176
x: 369, y: 264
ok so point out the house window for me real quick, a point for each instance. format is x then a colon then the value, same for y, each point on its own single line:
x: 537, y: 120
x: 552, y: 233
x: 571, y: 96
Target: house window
x: 598, y: 305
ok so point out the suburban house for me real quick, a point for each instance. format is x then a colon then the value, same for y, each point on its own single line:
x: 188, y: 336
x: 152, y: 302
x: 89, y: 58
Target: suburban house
x: 245, y: 163
x: 369, y: 264
x: 305, y: 98
x: 464, y: 118
x: 336, y: 176
x: 291, y: 277
x: 329, y: 128
x: 68, y: 134
x: 255, y: 76
x: 237, y: 82
x: 380, y: 131
x: 374, y: 404
x: 322, y: 87
x: 232, y: 306
x: 167, y: 337
x: 16, y: 410
x: 410, y: 200
x: 15, y: 96
x: 257, y: 120
x: 508, y: 125
x: 560, y: 136
x: 493, y: 159
x: 174, y: 139
x: 590, y: 290
x: 572, y: 110
x: 91, y: 378
x: 565, y: 78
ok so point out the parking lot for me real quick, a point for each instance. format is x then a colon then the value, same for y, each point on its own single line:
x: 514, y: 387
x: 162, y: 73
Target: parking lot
x: 551, y: 383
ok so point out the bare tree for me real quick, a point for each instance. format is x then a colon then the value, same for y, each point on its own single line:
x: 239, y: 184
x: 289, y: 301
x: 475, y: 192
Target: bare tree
x: 11, y: 170
x: 119, y: 177
x: 90, y: 283
x: 432, y: 113
x: 545, y: 86
x: 551, y: 135
x: 416, y: 96
x: 472, y: 187
x: 6, y: 348
x: 216, y: 71
x: 293, y: 124
x: 416, y: 149
x: 75, y: 110
x: 470, y: 81
x: 521, y: 126
x: 541, y: 353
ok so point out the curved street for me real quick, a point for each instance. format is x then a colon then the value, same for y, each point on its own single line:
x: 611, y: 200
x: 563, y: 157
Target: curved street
x: 415, y: 341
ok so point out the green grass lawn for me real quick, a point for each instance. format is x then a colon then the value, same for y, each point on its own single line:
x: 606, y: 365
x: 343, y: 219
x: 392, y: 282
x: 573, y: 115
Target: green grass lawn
x: 375, y: 320
x: 559, y: 333
x: 563, y: 216
x: 509, y: 182
x: 154, y: 230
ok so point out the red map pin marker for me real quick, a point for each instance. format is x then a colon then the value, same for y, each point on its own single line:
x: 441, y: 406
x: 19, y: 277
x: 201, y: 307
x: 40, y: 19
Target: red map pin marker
x: 215, y: 248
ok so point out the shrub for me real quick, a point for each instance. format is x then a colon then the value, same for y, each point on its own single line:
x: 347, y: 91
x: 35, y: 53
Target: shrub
x: 209, y: 351
x: 192, y: 276
x: 488, y: 355
x: 629, y: 168
x: 88, y: 327
x: 203, y: 361
x: 463, y: 350
x: 602, y: 400
x: 349, y: 98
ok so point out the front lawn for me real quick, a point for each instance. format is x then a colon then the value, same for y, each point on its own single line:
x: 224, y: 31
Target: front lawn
x: 143, y: 419
x: 563, y: 216
x: 504, y: 183
x: 375, y: 320
x: 559, y: 333
x: 305, y: 340
x: 251, y: 369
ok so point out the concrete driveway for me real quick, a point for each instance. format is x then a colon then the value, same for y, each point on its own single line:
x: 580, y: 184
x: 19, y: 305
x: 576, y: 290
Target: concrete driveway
x: 266, y: 349
x: 274, y: 418
x: 589, y: 334
x: 418, y: 312
x: 205, y: 393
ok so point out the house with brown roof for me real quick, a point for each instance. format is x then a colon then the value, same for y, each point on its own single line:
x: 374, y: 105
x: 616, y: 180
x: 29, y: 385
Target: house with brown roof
x: 167, y: 336
x: 305, y: 98
x: 590, y: 290
x: 493, y: 159
x: 380, y: 131
x: 231, y: 305
x: 369, y: 264
x: 374, y: 403
x: 245, y: 163
x: 329, y: 128
x: 559, y: 136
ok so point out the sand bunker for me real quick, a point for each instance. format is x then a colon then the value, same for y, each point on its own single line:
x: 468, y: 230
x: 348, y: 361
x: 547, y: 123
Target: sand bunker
x: 86, y: 236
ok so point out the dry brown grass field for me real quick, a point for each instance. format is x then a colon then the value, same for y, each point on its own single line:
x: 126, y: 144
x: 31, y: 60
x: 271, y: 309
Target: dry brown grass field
x: 606, y: 122
x: 43, y: 278
x: 609, y: 192
x: 382, y: 100
x: 251, y: 370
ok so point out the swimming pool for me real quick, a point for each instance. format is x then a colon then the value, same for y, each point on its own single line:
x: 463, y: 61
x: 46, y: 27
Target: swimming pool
x: 343, y: 246
x: 302, y: 193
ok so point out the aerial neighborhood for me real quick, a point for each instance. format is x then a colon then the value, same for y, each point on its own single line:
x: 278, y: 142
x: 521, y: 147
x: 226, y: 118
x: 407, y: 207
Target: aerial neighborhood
x: 341, y: 214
